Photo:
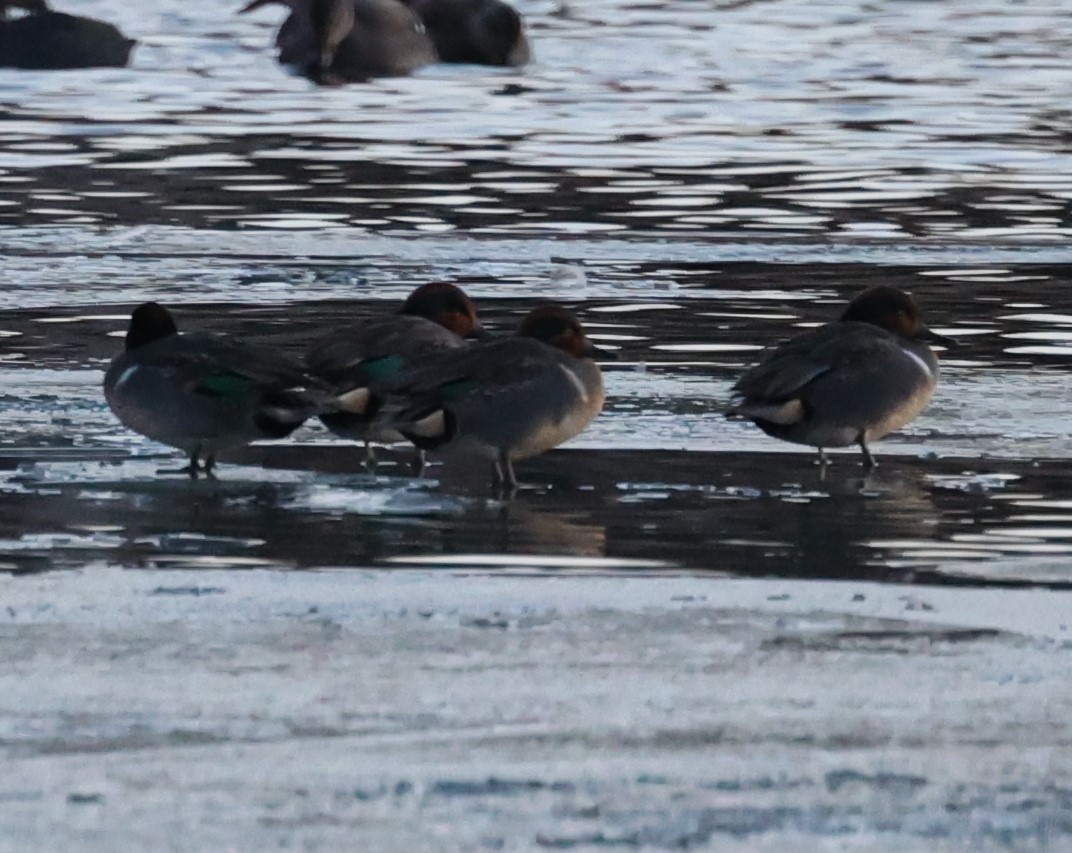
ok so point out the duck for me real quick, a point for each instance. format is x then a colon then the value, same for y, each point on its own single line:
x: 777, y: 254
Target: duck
x: 435, y: 317
x: 351, y: 40
x: 482, y: 32
x: 849, y: 382
x: 504, y: 400
x: 44, y: 39
x: 203, y: 393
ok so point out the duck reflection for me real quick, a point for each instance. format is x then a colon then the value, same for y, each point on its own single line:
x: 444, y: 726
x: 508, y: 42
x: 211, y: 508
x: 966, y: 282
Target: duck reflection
x: 731, y: 514
x: 516, y: 527
x: 596, y: 511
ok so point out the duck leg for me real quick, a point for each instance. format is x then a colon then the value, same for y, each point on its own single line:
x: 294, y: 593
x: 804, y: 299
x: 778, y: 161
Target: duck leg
x: 420, y: 460
x: 869, y: 460
x: 370, y: 457
x: 208, y: 467
x: 191, y: 469
x: 504, y: 473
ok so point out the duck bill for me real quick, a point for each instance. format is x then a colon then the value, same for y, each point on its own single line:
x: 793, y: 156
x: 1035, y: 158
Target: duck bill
x: 933, y: 337
x: 478, y: 333
x: 598, y: 353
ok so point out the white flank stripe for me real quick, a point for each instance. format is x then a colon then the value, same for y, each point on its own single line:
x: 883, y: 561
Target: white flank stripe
x: 125, y: 375
x: 922, y: 364
x: 577, y: 383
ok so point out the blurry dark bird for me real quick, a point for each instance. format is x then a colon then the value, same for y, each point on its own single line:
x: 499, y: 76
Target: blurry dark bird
x: 43, y: 39
x: 484, y: 32
x: 294, y: 38
x: 350, y: 40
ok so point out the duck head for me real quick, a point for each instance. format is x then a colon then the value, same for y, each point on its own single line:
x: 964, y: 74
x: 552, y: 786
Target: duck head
x: 556, y: 327
x: 893, y: 310
x: 149, y: 323
x: 500, y: 32
x: 445, y: 304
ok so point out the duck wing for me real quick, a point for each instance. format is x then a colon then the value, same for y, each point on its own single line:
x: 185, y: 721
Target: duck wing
x: 509, y: 369
x: 353, y: 357
x: 476, y: 369
x: 217, y: 367
x: 786, y: 369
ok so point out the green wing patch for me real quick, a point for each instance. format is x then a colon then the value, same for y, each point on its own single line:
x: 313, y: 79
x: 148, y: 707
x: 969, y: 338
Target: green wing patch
x: 456, y: 388
x: 224, y: 384
x: 381, y: 368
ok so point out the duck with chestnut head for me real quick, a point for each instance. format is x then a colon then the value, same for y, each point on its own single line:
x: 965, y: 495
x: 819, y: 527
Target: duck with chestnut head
x: 849, y: 382
x: 435, y: 318
x: 503, y: 401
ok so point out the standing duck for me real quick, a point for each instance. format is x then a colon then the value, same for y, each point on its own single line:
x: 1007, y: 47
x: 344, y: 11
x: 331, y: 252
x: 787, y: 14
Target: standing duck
x: 504, y: 400
x: 340, y: 40
x: 437, y: 316
x: 849, y: 382
x: 202, y: 393
x: 43, y: 39
x: 483, y: 32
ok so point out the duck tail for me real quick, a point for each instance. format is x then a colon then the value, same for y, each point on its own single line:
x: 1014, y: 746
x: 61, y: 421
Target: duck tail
x: 283, y: 410
x: 426, y: 423
x: 432, y: 430
x: 356, y: 401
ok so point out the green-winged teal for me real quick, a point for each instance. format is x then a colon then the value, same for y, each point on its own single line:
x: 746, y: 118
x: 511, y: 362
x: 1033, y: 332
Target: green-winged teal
x: 435, y: 317
x: 504, y: 400
x: 849, y: 382
x: 204, y: 393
